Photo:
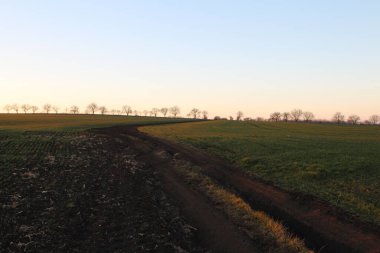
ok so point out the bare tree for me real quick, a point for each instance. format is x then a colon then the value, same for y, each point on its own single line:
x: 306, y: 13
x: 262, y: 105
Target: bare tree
x: 103, y: 109
x: 118, y: 112
x: 145, y: 112
x: 55, y: 109
x: 286, y: 116
x: 74, y: 109
x: 164, y: 111
x: 25, y: 108
x: 205, y: 114
x: 15, y: 108
x: 126, y: 109
x: 353, y: 119
x: 113, y: 111
x: 239, y: 115
x: 93, y: 107
x: 374, y: 119
x: 194, y: 113
x: 338, y: 117
x: 136, y: 112
x: 276, y: 116
x: 296, y: 114
x: 308, y: 116
x: 175, y: 111
x: 231, y: 118
x: 47, y: 108
x: 8, y: 108
x: 155, y: 111
x: 34, y: 108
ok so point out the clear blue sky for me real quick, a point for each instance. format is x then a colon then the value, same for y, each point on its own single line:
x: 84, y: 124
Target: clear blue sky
x: 222, y: 56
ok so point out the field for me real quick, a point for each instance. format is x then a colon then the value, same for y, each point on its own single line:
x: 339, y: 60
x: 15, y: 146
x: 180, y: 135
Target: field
x: 80, y: 183
x: 69, y: 122
x: 338, y: 164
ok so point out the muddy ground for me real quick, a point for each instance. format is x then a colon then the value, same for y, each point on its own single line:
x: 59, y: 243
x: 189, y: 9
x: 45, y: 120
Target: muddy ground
x: 113, y: 190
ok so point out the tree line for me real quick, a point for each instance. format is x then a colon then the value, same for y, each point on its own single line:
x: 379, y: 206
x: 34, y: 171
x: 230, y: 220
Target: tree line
x: 298, y: 115
x: 92, y: 108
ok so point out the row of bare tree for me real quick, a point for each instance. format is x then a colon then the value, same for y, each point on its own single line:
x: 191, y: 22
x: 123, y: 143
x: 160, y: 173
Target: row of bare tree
x: 196, y: 113
x: 93, y: 108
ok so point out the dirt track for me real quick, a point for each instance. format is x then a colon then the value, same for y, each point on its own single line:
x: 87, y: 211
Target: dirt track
x: 116, y: 192
x: 324, y: 228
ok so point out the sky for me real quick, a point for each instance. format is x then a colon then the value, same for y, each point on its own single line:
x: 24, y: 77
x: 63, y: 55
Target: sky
x: 221, y: 56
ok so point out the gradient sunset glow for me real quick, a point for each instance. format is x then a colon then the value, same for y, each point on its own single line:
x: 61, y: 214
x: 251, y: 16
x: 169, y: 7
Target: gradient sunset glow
x: 221, y: 56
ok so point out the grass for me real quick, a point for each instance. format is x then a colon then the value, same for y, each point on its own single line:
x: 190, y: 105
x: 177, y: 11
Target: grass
x: 69, y: 122
x: 269, y: 235
x: 339, y: 164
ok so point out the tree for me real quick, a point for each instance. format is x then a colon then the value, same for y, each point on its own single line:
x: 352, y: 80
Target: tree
x: 55, y: 109
x: 164, y: 111
x: 374, y: 119
x: 15, y: 108
x: 296, y: 114
x: 92, y: 108
x: 308, y: 116
x: 353, y: 119
x: 338, y: 117
x: 145, y: 112
x: 205, y: 114
x: 103, y: 109
x: 276, y: 116
x: 175, y: 111
x: 136, y: 112
x: 25, y: 108
x: 74, y: 109
x: 194, y: 113
x: 126, y: 109
x: 8, y: 108
x: 47, y: 108
x: 239, y: 115
x: 286, y: 116
x: 34, y: 108
x: 155, y: 111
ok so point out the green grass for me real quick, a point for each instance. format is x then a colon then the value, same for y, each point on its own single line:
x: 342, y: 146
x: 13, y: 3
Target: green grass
x: 339, y: 164
x: 69, y: 122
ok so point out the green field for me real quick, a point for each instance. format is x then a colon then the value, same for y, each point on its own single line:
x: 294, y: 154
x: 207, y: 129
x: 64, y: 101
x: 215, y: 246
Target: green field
x: 337, y: 163
x: 69, y: 122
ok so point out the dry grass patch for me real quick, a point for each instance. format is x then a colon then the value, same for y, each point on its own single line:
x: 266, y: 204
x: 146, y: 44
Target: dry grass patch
x: 270, y: 235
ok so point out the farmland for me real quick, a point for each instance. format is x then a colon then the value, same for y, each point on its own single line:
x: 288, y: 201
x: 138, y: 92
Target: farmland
x: 338, y: 164
x: 96, y: 183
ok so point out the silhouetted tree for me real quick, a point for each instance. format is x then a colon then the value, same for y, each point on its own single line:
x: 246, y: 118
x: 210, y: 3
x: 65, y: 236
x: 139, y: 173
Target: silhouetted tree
x: 276, y: 116
x: 47, y: 108
x: 164, y: 111
x: 74, y: 109
x: 338, y: 117
x: 15, y: 108
x: 155, y: 111
x: 194, y: 113
x: 93, y: 107
x: 205, y: 114
x: 353, y: 119
x: 103, y: 109
x: 296, y: 114
x: 374, y: 119
x: 55, y: 109
x: 145, y: 112
x: 8, y: 108
x: 136, y: 112
x: 34, y: 108
x: 308, y: 116
x: 25, y: 108
x: 239, y: 115
x: 126, y: 109
x: 286, y: 116
x: 175, y: 111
